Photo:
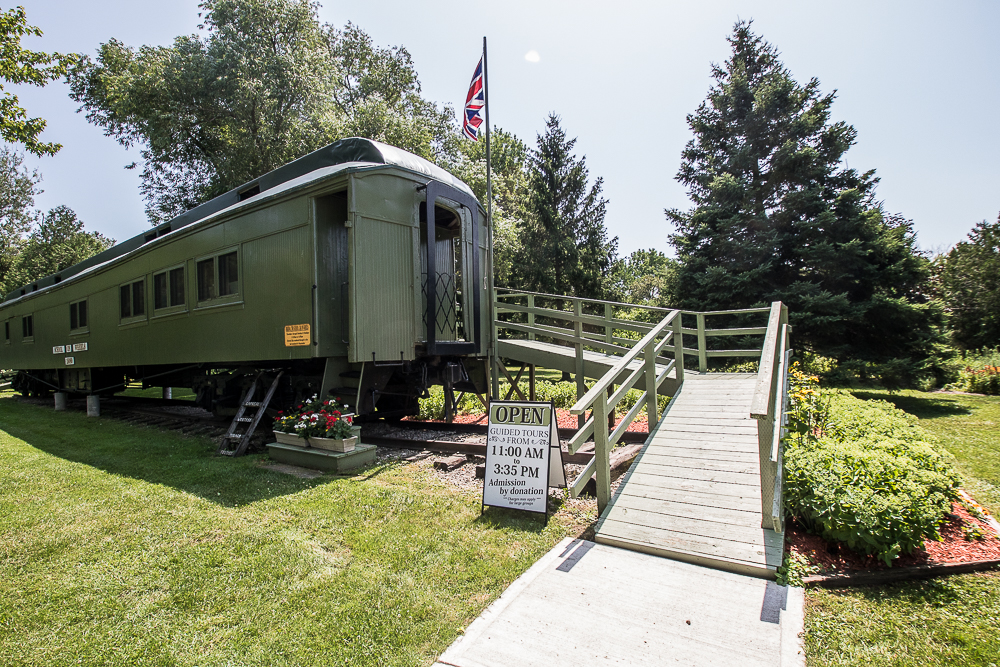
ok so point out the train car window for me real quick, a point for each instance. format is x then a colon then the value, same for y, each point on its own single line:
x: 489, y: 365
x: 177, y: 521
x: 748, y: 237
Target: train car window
x: 27, y: 326
x: 168, y: 289
x: 78, y: 315
x: 177, y: 286
x: 160, y: 295
x: 229, y: 279
x: 132, y: 299
x: 206, y: 279
x: 139, y: 298
x: 125, y: 307
x: 6, y: 331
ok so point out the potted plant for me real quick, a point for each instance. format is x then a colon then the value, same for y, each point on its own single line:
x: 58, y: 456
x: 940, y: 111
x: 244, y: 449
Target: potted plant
x: 284, y: 429
x: 320, y: 424
x: 330, y: 428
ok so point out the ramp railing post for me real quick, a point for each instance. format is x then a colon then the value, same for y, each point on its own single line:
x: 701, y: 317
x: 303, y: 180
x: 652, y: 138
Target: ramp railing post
x: 609, y: 330
x: 650, y: 367
x: 702, y: 346
x: 531, y: 315
x: 494, y: 360
x: 678, y: 349
x: 581, y: 384
x: 602, y: 454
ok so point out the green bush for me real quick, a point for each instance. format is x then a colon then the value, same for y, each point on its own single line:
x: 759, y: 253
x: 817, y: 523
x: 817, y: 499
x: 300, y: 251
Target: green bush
x: 433, y: 406
x: 562, y: 395
x: 870, y: 480
x: 848, y: 418
x: 980, y: 373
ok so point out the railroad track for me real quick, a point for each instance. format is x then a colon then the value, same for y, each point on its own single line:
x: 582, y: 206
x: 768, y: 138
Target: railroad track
x: 164, y: 414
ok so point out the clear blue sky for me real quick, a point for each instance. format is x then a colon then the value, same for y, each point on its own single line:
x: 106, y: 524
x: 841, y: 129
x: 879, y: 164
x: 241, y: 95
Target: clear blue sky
x: 917, y: 79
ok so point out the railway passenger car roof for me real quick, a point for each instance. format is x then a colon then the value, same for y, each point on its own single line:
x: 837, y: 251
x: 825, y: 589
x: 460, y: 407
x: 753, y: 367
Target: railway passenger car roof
x: 353, y: 152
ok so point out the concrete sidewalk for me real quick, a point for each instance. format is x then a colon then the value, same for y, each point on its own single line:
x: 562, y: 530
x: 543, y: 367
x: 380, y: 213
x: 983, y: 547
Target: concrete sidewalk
x: 588, y: 604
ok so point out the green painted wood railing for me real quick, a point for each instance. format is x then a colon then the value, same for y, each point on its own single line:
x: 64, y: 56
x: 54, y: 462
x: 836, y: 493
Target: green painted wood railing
x: 662, y: 351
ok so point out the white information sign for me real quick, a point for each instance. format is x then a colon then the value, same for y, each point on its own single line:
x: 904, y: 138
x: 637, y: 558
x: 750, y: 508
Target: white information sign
x: 520, y: 462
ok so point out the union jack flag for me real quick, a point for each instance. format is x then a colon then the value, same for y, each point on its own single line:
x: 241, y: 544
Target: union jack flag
x: 474, y: 103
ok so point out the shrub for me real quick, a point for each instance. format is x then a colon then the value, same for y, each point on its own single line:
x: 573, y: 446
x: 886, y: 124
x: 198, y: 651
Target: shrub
x: 981, y: 374
x: 848, y: 418
x: 982, y: 381
x: 562, y: 395
x: 869, y: 480
x: 432, y: 407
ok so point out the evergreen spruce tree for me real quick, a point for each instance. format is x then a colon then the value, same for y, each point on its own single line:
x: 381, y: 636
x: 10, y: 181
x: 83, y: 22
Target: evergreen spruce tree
x: 778, y: 216
x: 565, y: 247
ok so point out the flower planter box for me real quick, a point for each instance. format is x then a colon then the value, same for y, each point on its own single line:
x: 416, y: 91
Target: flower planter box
x: 333, y: 444
x: 289, y: 439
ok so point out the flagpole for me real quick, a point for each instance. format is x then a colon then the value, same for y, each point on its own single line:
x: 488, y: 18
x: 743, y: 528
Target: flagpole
x: 495, y: 374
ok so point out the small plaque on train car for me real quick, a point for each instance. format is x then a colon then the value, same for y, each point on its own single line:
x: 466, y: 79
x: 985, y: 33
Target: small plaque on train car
x: 59, y: 349
x: 297, y: 335
x: 70, y: 361
x: 79, y: 347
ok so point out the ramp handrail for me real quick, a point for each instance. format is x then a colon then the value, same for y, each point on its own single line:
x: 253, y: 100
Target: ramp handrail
x: 768, y: 408
x: 601, y: 405
x: 659, y: 339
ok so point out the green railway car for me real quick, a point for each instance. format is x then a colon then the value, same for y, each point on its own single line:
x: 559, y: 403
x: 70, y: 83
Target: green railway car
x: 318, y: 269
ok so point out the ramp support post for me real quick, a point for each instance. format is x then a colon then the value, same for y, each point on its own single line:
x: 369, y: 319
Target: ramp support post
x: 581, y: 384
x: 602, y: 454
x: 652, y: 419
x: 678, y: 349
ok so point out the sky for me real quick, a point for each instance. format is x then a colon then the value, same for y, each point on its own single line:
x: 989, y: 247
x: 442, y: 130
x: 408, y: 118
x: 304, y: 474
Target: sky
x: 916, y: 79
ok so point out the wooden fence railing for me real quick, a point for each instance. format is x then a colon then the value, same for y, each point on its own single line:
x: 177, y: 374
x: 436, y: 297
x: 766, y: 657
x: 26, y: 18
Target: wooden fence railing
x: 769, y: 406
x: 661, y: 350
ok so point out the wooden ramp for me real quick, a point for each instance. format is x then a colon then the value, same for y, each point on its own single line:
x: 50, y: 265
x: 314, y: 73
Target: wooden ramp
x: 563, y: 358
x: 694, y: 492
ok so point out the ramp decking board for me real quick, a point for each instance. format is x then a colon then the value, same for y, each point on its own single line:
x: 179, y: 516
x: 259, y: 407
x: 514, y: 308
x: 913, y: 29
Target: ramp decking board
x: 684, y: 484
x: 746, y: 503
x: 705, y: 454
x: 748, y: 518
x: 693, y: 493
x: 752, y: 467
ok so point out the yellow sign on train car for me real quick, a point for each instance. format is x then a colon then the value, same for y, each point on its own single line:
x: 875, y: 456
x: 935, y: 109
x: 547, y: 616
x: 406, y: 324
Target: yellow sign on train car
x: 297, y: 335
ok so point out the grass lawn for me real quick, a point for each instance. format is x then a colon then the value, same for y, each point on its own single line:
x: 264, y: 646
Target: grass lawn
x: 121, y: 545
x: 948, y: 621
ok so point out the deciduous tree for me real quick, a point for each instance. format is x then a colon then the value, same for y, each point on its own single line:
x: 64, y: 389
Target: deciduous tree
x: 18, y: 187
x: 263, y: 84
x: 58, y: 241
x: 645, y: 277
x: 21, y: 65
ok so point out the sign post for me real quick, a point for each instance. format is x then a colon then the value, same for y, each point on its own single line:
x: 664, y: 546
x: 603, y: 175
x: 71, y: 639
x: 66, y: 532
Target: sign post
x: 523, y: 456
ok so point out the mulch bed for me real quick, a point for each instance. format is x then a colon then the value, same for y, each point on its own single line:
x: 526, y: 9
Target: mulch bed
x: 563, y: 416
x: 839, y: 563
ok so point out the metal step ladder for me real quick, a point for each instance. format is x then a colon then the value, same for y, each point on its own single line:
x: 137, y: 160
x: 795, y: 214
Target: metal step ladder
x: 241, y: 439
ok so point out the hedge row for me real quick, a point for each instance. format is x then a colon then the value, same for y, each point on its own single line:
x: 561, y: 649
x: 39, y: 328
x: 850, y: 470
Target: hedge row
x: 864, y: 474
